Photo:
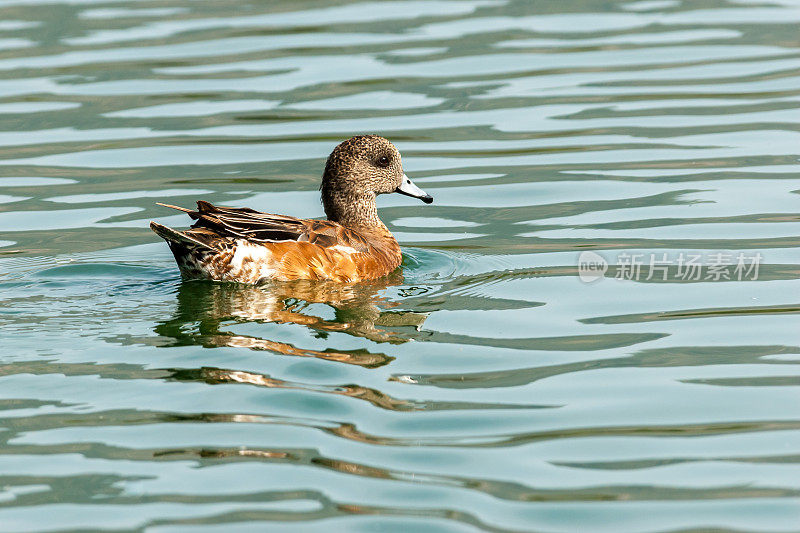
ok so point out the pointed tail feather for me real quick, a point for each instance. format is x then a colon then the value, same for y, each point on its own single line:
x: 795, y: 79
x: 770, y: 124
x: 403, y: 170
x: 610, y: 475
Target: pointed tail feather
x: 173, y: 236
x: 174, y: 207
x: 192, y: 214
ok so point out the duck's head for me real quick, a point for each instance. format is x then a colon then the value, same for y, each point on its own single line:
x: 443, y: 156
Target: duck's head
x: 359, y: 169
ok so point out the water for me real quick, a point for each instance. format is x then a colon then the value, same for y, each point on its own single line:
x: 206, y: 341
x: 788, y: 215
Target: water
x: 486, y: 386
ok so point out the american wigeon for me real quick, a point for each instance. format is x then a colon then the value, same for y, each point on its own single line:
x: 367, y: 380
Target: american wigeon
x: 247, y: 246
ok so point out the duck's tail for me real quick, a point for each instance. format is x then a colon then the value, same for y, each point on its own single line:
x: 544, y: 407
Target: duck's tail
x: 186, y: 239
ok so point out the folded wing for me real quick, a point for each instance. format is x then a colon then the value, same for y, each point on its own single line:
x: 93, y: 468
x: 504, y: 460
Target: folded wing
x: 258, y: 227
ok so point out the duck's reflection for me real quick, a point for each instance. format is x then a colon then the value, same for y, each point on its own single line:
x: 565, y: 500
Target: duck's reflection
x: 216, y: 376
x: 205, y: 308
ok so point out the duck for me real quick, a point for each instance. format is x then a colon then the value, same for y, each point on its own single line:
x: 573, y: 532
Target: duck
x: 239, y: 244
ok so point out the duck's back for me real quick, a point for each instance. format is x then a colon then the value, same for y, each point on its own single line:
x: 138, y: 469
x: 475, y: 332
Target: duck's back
x: 244, y: 245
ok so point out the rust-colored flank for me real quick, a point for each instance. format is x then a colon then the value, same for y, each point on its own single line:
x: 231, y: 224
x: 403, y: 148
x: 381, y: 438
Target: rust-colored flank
x: 247, y: 246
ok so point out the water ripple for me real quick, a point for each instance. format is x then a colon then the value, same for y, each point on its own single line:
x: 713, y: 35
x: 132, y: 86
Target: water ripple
x: 484, y: 387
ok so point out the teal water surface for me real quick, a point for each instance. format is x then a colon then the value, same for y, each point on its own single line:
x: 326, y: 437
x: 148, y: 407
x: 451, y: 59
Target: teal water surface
x: 595, y: 324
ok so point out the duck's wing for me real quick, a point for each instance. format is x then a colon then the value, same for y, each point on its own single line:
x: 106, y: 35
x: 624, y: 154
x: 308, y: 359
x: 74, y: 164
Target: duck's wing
x: 283, y: 247
x: 257, y: 227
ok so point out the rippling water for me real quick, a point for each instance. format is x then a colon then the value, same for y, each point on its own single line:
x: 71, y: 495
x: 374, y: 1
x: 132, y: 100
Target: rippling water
x: 492, y: 384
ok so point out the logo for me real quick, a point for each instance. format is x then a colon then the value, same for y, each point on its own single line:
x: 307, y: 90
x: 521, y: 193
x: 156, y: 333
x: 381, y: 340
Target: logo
x: 591, y: 267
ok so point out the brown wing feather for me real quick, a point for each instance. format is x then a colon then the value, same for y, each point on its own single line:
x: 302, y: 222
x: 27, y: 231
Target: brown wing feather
x: 259, y: 227
x: 247, y: 223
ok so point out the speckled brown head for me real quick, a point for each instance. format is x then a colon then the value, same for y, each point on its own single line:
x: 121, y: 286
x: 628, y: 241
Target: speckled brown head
x: 357, y: 171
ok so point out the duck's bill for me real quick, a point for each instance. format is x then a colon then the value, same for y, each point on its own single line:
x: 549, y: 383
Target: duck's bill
x: 409, y: 189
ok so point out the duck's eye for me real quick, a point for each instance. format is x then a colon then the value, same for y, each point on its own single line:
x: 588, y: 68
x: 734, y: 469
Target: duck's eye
x: 383, y: 161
